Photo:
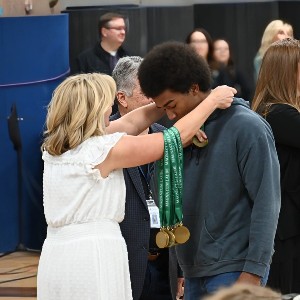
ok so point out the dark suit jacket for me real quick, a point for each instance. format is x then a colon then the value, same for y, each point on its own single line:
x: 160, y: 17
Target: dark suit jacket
x: 96, y: 59
x: 136, y: 228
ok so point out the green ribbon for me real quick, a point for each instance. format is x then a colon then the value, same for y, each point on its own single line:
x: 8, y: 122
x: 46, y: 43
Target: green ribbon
x: 170, y: 172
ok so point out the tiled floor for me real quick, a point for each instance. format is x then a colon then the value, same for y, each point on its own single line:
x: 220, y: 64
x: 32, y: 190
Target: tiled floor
x: 18, y: 275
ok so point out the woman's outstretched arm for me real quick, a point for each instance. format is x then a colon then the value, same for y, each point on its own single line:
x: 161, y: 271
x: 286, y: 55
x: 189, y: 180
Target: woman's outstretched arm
x: 137, y: 120
x: 133, y: 151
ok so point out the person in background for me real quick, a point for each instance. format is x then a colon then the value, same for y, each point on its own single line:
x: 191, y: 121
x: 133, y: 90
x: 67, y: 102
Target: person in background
x: 148, y: 265
x: 105, y: 54
x: 103, y: 57
x: 200, y: 40
x: 85, y: 254
x: 224, y: 70
x: 275, y: 30
x: 231, y: 192
x: 277, y: 99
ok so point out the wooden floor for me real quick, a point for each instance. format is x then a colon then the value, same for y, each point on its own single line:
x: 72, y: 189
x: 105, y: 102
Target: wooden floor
x: 18, y: 275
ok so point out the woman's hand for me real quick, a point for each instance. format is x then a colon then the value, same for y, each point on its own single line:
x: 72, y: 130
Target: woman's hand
x: 223, y: 96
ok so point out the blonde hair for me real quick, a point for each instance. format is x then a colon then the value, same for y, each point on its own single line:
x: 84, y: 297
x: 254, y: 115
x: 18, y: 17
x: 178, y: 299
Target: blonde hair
x: 278, y: 77
x: 270, y: 32
x: 241, y: 291
x: 289, y: 29
x: 76, y: 111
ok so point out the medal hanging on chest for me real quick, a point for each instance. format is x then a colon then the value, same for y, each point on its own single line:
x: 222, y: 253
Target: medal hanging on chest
x: 172, y: 231
x: 197, y: 143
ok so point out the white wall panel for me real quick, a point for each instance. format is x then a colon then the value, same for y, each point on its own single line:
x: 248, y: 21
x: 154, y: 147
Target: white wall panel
x: 69, y: 3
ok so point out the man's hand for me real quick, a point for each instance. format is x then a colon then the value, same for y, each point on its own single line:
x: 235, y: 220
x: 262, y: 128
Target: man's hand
x: 180, y: 288
x: 249, y: 278
x: 200, y: 138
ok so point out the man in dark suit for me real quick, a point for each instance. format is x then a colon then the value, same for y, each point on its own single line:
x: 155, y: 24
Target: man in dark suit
x: 152, y: 275
x: 105, y: 54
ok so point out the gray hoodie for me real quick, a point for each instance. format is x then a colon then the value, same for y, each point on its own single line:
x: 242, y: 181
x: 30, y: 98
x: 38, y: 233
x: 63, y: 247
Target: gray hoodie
x: 231, y: 196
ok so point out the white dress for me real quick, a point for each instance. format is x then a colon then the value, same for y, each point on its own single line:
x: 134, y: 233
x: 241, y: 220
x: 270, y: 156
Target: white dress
x: 84, y: 256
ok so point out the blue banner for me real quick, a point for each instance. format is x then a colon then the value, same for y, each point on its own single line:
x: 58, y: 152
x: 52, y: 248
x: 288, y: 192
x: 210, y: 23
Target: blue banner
x: 34, y: 59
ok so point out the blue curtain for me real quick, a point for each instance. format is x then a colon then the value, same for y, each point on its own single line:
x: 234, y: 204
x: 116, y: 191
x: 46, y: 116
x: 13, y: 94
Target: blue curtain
x: 34, y: 59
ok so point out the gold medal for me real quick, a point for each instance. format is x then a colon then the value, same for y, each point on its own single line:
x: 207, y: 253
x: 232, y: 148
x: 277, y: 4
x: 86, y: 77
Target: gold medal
x: 199, y: 144
x: 162, y: 239
x: 171, y: 237
x: 182, y: 234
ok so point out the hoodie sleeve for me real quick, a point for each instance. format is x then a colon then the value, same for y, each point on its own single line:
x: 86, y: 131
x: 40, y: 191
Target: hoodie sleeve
x: 260, y: 172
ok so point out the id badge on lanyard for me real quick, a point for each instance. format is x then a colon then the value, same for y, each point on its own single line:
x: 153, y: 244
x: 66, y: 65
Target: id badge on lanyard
x: 154, y: 214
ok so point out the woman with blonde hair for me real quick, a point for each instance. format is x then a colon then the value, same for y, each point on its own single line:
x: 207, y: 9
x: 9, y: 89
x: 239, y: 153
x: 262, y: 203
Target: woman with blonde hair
x: 275, y: 30
x: 277, y: 98
x: 84, y: 255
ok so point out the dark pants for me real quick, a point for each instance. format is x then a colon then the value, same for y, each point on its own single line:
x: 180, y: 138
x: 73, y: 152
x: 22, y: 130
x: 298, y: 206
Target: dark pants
x: 157, y: 282
x: 285, y: 266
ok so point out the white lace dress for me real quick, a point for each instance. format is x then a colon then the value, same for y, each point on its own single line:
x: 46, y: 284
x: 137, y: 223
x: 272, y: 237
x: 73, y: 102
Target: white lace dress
x: 84, y: 256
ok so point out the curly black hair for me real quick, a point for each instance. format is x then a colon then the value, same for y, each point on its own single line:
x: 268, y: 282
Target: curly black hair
x: 173, y: 66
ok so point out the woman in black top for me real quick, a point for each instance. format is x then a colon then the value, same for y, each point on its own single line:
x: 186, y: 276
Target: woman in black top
x: 277, y: 98
x: 224, y: 70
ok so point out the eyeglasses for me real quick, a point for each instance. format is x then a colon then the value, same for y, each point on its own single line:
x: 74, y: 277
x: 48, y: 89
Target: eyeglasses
x: 120, y: 28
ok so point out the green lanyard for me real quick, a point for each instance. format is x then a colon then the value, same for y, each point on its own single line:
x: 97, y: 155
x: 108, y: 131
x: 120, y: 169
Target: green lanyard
x: 170, y: 192
x: 170, y: 169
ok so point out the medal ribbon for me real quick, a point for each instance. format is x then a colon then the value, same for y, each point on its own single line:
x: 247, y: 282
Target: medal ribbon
x: 170, y: 172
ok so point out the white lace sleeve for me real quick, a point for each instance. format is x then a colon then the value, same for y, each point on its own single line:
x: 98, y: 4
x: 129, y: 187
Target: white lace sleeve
x: 97, y: 148
x: 91, y: 152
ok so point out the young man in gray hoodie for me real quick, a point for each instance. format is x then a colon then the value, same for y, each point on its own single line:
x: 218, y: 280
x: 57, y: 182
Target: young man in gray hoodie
x: 231, y: 197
